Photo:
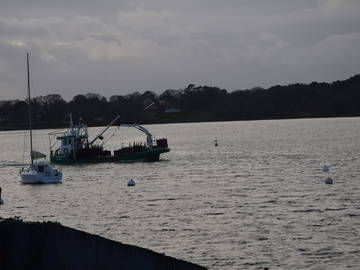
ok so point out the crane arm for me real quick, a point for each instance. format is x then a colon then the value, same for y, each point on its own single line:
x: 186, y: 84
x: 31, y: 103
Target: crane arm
x: 149, y: 140
x: 102, y: 132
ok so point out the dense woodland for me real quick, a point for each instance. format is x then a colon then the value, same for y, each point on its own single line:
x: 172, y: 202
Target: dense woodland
x: 194, y: 103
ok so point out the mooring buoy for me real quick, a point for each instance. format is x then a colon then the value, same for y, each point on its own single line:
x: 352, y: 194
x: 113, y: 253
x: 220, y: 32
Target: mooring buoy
x: 328, y: 181
x: 131, y: 183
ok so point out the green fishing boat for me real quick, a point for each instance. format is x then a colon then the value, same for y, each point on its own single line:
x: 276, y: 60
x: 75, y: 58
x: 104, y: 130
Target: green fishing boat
x: 73, y: 146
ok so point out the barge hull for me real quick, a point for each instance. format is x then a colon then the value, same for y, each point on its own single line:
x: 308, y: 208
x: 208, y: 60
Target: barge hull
x: 145, y: 156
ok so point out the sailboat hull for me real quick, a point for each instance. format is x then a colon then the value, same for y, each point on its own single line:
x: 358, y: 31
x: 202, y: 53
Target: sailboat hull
x: 29, y: 176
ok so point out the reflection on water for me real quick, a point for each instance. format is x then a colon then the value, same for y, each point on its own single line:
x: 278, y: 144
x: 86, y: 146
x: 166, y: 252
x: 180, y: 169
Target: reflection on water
x: 256, y: 200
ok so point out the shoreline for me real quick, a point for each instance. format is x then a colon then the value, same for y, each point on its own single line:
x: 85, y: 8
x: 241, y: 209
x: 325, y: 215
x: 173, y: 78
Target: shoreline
x: 65, y: 126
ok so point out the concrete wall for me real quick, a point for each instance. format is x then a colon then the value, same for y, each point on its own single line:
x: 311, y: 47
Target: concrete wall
x: 50, y: 245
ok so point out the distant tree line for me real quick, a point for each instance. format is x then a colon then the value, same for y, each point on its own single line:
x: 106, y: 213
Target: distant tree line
x: 194, y: 103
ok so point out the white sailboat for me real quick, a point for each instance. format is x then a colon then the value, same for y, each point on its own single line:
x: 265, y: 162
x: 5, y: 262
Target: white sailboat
x: 37, y: 172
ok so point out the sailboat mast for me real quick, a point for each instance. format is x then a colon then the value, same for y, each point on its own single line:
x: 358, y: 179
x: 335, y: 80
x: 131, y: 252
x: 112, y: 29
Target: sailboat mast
x: 29, y: 96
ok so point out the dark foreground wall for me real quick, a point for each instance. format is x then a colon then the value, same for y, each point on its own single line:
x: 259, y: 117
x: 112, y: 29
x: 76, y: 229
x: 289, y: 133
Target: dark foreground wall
x: 50, y: 245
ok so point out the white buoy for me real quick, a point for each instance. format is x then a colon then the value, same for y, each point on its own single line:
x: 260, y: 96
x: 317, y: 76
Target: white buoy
x: 326, y: 168
x: 131, y: 183
x: 1, y: 201
x: 328, y: 181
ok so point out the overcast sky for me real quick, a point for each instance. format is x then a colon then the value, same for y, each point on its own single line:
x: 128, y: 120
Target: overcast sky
x: 116, y: 47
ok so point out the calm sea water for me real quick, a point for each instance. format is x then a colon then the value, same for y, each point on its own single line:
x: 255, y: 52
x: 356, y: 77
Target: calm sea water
x: 257, y: 200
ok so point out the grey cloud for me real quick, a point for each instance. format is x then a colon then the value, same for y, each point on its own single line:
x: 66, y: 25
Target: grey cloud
x: 116, y: 47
